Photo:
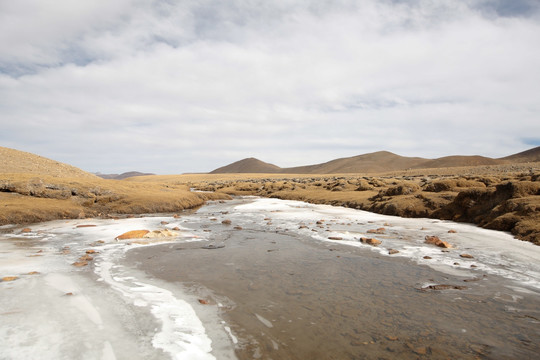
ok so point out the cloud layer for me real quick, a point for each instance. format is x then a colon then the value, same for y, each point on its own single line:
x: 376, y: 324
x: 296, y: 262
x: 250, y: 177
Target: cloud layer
x: 181, y: 86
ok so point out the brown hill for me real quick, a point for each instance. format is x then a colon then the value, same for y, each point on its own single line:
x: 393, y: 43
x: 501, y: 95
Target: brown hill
x: 373, y: 162
x: 457, y: 161
x: 15, y: 161
x: 123, y: 175
x: 531, y: 155
x: 380, y: 161
x: 249, y: 165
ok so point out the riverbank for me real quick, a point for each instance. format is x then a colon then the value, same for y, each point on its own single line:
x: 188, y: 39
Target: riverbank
x: 504, y: 198
x: 30, y: 198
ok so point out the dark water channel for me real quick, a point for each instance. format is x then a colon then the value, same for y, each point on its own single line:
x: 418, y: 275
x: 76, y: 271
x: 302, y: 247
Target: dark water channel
x: 290, y: 297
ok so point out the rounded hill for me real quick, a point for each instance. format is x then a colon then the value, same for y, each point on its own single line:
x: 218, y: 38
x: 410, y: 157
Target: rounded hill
x: 15, y: 161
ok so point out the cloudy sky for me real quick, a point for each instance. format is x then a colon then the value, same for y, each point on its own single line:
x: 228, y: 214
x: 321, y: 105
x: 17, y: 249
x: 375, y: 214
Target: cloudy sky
x: 190, y: 85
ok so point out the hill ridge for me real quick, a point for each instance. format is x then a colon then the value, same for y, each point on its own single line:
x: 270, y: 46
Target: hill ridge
x: 378, y: 161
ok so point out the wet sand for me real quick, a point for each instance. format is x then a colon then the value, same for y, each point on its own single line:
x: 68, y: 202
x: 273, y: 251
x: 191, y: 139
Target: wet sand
x: 287, y: 296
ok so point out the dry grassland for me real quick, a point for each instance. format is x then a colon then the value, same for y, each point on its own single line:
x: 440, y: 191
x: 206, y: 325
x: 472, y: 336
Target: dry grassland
x: 28, y: 198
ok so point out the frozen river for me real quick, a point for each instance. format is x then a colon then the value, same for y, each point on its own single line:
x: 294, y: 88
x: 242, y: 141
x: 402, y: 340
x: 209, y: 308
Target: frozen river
x: 284, y: 279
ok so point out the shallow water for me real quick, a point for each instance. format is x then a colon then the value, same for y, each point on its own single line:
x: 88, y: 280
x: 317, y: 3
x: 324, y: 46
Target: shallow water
x: 293, y: 297
x: 277, y: 288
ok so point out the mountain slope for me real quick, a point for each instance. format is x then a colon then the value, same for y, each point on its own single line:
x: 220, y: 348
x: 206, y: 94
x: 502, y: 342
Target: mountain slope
x: 457, y: 161
x: 372, y: 162
x: 531, y: 155
x: 15, y: 161
x: 380, y: 161
x: 123, y: 175
x: 249, y: 165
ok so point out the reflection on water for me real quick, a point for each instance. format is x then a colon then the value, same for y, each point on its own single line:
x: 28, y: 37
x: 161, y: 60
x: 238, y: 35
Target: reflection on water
x: 296, y: 298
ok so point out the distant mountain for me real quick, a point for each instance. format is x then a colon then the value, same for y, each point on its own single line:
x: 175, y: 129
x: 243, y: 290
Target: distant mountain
x: 456, y: 161
x: 373, y: 162
x: 123, y: 175
x: 16, y: 161
x: 249, y: 165
x: 531, y: 155
x: 380, y: 161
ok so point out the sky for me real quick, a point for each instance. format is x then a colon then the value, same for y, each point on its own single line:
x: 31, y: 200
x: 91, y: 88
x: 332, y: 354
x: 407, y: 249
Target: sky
x: 171, y: 87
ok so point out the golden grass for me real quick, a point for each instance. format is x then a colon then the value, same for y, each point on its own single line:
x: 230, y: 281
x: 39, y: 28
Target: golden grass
x: 27, y: 198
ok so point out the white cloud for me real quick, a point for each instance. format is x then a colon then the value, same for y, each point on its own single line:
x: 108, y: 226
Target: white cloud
x: 183, y: 86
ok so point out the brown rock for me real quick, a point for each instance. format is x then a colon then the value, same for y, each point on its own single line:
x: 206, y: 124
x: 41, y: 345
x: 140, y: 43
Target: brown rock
x: 85, y: 226
x: 134, y: 234
x: 204, y: 302
x: 376, y: 231
x: 420, y: 350
x: 237, y: 228
x: 91, y: 251
x: 370, y: 241
x: 466, y: 256
x: 319, y: 222
x: 176, y: 216
x: 393, y: 251
x: 428, y: 257
x: 176, y: 228
x: 226, y: 222
x: 86, y: 258
x: 10, y: 278
x: 452, y: 231
x: 33, y: 273
x: 26, y: 230
x: 80, y: 263
x: 434, y: 240
x: 335, y: 238
x: 302, y: 227
x: 164, y: 222
x: 391, y: 338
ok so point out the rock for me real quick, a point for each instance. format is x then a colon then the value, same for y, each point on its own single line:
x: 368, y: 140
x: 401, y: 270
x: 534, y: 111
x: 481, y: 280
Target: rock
x: 319, y: 222
x: 335, y: 238
x: 68, y: 294
x: 420, y: 350
x: 26, y: 230
x: 33, y: 273
x: 466, y: 256
x: 428, y: 257
x: 134, y: 234
x: 376, y: 231
x: 391, y: 338
x: 86, y: 258
x: 434, y: 240
x: 302, y: 227
x: 237, y: 228
x: 164, y: 222
x: 213, y: 247
x: 91, y: 251
x: 80, y: 263
x: 370, y: 241
x: 443, y: 287
x: 9, y: 278
x: 204, y: 302
x: 393, y: 251
x: 452, y: 231
x: 85, y: 226
x: 176, y: 216
x: 176, y: 228
x: 226, y: 222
